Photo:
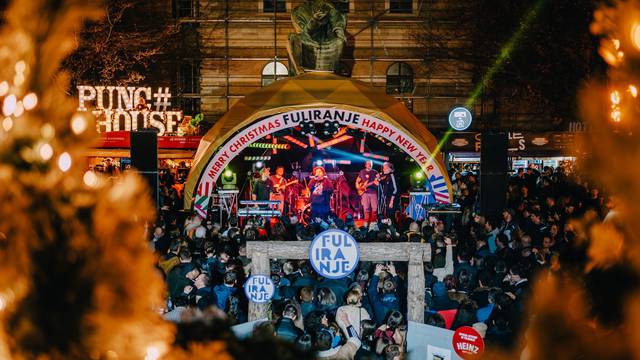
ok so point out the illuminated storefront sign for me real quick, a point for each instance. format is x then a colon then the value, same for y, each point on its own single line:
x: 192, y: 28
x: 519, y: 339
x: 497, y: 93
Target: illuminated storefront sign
x: 120, y: 108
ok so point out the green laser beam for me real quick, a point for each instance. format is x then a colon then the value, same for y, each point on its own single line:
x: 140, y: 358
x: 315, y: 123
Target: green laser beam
x: 505, y: 52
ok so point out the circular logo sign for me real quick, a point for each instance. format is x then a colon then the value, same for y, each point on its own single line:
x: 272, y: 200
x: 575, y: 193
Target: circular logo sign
x: 259, y: 288
x: 467, y: 343
x: 334, y: 254
x: 460, y: 118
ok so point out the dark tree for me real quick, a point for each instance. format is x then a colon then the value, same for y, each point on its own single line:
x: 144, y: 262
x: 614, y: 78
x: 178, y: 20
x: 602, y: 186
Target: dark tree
x: 527, y: 58
x: 122, y: 47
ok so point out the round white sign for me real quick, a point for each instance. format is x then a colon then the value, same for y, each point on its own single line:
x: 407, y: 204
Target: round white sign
x: 334, y: 254
x: 259, y: 288
x: 460, y: 118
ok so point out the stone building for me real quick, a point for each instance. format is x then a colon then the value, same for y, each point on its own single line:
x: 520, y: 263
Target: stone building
x: 237, y: 46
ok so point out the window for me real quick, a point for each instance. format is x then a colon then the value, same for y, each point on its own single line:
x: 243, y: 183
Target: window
x: 184, y: 8
x: 189, y: 105
x: 401, y: 6
x: 341, y: 5
x: 274, y: 71
x: 189, y: 77
x: 269, y: 6
x: 399, y: 79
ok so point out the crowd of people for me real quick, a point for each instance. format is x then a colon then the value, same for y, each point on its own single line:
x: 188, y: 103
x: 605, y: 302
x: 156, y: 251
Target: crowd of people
x: 480, y: 273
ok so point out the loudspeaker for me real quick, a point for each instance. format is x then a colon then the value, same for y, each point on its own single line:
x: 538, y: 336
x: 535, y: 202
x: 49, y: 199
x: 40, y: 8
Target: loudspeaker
x: 144, y: 158
x: 494, y: 164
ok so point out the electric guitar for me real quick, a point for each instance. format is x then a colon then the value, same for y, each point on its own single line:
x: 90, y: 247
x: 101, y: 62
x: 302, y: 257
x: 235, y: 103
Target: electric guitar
x: 361, y: 186
x: 279, y: 188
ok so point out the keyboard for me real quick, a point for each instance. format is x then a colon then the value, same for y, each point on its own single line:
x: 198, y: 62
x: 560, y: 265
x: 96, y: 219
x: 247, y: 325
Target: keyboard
x: 250, y: 211
x: 259, y: 202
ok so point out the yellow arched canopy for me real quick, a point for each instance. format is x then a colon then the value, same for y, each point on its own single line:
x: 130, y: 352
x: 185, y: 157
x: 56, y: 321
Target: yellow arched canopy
x: 312, y: 90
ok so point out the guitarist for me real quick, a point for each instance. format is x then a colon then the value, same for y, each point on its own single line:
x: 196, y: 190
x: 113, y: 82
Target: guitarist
x: 367, y: 186
x: 278, y: 184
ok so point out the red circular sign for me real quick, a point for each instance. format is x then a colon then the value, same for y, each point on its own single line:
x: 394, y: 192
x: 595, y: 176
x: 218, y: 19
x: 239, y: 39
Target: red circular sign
x: 467, y: 343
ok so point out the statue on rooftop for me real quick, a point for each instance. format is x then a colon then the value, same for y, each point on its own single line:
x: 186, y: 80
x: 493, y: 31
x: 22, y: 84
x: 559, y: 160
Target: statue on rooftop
x: 319, y: 38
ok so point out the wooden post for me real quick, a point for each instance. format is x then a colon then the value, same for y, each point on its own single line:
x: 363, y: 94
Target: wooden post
x: 415, y: 285
x: 259, y: 266
x: 261, y: 251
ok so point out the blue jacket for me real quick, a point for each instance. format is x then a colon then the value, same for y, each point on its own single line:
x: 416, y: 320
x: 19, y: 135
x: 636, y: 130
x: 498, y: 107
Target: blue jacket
x: 222, y: 294
x: 286, y: 329
x: 381, y: 304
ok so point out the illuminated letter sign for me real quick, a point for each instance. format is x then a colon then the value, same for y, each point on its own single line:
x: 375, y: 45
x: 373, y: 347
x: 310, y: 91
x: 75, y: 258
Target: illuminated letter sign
x: 120, y: 108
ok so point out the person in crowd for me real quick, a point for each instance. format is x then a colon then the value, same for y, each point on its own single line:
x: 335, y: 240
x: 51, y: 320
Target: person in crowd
x: 285, y: 326
x: 354, y: 310
x: 324, y: 341
x: 227, y: 288
x: 388, y: 300
x: 205, y: 296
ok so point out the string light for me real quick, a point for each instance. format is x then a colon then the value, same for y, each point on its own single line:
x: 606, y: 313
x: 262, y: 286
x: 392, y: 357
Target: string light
x: 615, y: 97
x: 90, y: 179
x: 47, y: 131
x: 78, y: 124
x: 18, y: 79
x: 9, y: 105
x: 64, y: 162
x: 20, y: 66
x: 46, y: 151
x: 30, y: 101
x: 7, y: 123
x: 19, y: 110
x: 4, y: 88
x: 635, y: 35
x: 152, y: 353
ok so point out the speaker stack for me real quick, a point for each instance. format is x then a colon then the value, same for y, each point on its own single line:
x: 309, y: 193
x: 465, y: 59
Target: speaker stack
x: 144, y: 158
x: 494, y: 175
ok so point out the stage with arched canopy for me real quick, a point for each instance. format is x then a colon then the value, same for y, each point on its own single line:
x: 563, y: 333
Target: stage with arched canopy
x: 313, y: 97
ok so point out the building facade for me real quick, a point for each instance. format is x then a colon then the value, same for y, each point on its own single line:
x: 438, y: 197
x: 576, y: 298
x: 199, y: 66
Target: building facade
x: 240, y: 46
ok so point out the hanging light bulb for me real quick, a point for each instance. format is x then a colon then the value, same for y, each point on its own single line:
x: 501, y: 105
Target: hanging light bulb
x: 90, y: 179
x: 45, y: 151
x: 9, y: 105
x: 78, y: 124
x: 47, y: 131
x: 4, y: 88
x: 20, y: 66
x: 19, y: 109
x: 633, y: 91
x: 7, y: 123
x: 30, y: 101
x: 64, y: 162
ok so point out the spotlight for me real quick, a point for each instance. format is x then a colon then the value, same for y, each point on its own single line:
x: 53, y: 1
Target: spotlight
x: 229, y: 180
x: 307, y: 127
x: 259, y: 165
x: 418, y: 181
x: 331, y: 127
x: 318, y: 163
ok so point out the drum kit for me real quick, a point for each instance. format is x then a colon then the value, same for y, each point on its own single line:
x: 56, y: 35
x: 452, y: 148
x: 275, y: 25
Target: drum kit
x: 297, y: 196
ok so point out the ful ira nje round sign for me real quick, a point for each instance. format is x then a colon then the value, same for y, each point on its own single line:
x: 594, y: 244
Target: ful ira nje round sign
x: 334, y: 254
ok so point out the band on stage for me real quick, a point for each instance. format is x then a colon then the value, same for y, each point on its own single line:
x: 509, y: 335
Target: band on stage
x: 318, y: 195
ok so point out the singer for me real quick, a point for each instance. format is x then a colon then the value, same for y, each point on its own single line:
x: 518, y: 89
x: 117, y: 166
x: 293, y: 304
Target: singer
x: 321, y: 188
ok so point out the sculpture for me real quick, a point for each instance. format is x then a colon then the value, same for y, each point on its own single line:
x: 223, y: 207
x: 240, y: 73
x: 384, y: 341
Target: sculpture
x: 320, y: 36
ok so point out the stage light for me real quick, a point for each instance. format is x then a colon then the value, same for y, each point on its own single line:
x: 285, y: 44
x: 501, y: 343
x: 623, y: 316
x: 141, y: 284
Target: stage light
x: 333, y: 141
x: 229, y: 180
x: 308, y: 127
x: 270, y: 146
x: 293, y: 140
x: 376, y: 156
x: 259, y: 165
x: 257, y: 158
x: 418, y: 181
x: 318, y: 163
